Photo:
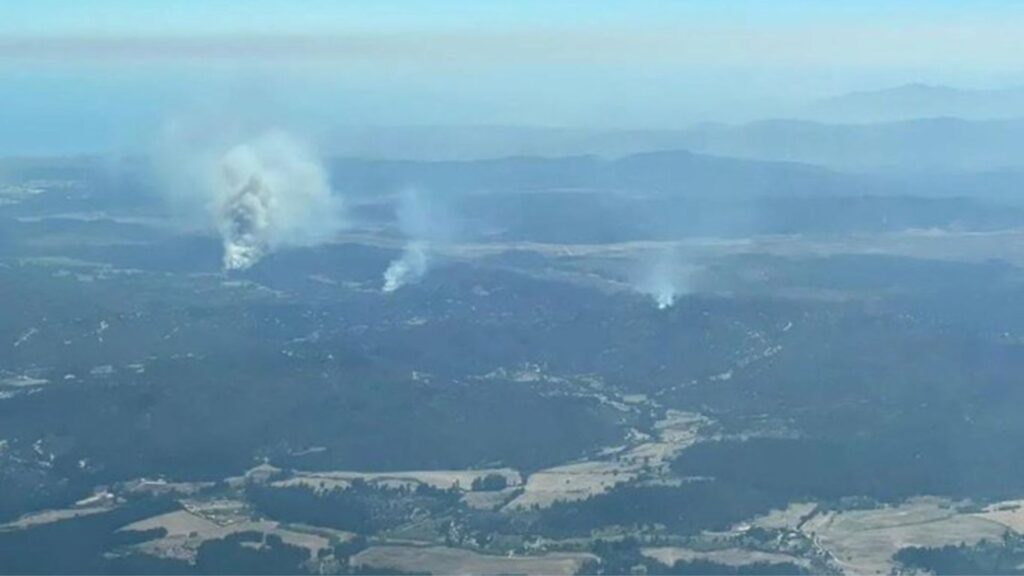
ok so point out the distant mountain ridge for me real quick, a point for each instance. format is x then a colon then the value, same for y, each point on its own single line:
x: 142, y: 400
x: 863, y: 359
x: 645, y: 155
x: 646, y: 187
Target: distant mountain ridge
x: 927, y: 144
x: 673, y: 172
x: 911, y: 127
x: 918, y: 100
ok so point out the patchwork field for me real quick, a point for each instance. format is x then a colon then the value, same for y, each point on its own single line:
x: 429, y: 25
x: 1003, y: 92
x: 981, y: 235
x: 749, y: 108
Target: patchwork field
x: 1009, y: 514
x: 186, y: 530
x: 669, y: 555
x: 864, y: 541
x: 439, y: 479
x: 442, y: 560
x: 581, y: 480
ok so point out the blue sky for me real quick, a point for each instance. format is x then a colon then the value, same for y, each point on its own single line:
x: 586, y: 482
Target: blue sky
x: 152, y: 17
x: 103, y: 74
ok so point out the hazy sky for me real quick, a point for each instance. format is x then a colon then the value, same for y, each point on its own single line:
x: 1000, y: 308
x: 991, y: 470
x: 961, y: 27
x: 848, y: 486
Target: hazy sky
x: 97, y: 75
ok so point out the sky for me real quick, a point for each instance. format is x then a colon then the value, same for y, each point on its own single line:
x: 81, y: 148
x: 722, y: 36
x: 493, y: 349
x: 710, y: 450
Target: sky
x: 105, y: 74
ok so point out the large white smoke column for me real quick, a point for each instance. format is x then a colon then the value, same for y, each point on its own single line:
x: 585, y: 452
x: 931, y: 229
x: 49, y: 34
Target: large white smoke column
x: 268, y: 193
x: 259, y: 192
x: 423, y: 223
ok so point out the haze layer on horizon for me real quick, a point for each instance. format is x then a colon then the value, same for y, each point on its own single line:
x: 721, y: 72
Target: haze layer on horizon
x: 102, y: 76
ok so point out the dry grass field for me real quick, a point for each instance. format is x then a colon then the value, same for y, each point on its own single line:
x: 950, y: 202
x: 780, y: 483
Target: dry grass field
x: 442, y: 560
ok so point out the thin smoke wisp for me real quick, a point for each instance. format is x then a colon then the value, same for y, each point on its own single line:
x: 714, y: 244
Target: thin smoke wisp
x: 408, y: 268
x: 664, y: 279
x: 424, y: 223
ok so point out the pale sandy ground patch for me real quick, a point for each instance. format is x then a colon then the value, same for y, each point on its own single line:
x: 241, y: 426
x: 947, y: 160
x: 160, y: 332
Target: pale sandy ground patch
x: 922, y: 243
x: 51, y: 516
x: 669, y: 555
x: 1009, y: 513
x: 864, y: 541
x: 95, y: 504
x: 442, y: 560
x: 440, y: 479
x: 160, y: 486
x: 187, y: 530
x: 581, y: 480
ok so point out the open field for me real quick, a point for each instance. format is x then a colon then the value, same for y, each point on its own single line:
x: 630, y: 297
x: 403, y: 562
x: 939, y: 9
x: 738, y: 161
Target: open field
x: 581, y: 480
x: 1009, y: 513
x: 864, y: 541
x: 51, y: 516
x: 938, y: 244
x: 788, y: 518
x: 669, y: 555
x: 160, y: 486
x: 442, y: 560
x: 440, y: 479
x: 186, y: 531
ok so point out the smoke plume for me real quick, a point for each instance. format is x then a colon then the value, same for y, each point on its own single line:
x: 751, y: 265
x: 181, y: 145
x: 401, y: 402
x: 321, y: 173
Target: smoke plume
x: 664, y: 278
x: 408, y: 268
x: 424, y: 224
x: 260, y: 194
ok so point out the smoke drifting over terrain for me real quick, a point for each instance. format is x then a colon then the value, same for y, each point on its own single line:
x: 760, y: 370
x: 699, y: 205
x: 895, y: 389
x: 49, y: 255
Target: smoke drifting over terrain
x: 664, y: 279
x: 261, y: 194
x: 271, y: 193
x: 407, y: 269
x: 423, y: 223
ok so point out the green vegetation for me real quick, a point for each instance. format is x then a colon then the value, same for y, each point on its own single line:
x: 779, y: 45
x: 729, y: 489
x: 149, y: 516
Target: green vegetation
x: 1006, y: 557
x: 490, y: 483
x: 624, y: 557
x: 250, y: 553
x: 79, y: 545
x: 361, y: 508
x: 685, y: 509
